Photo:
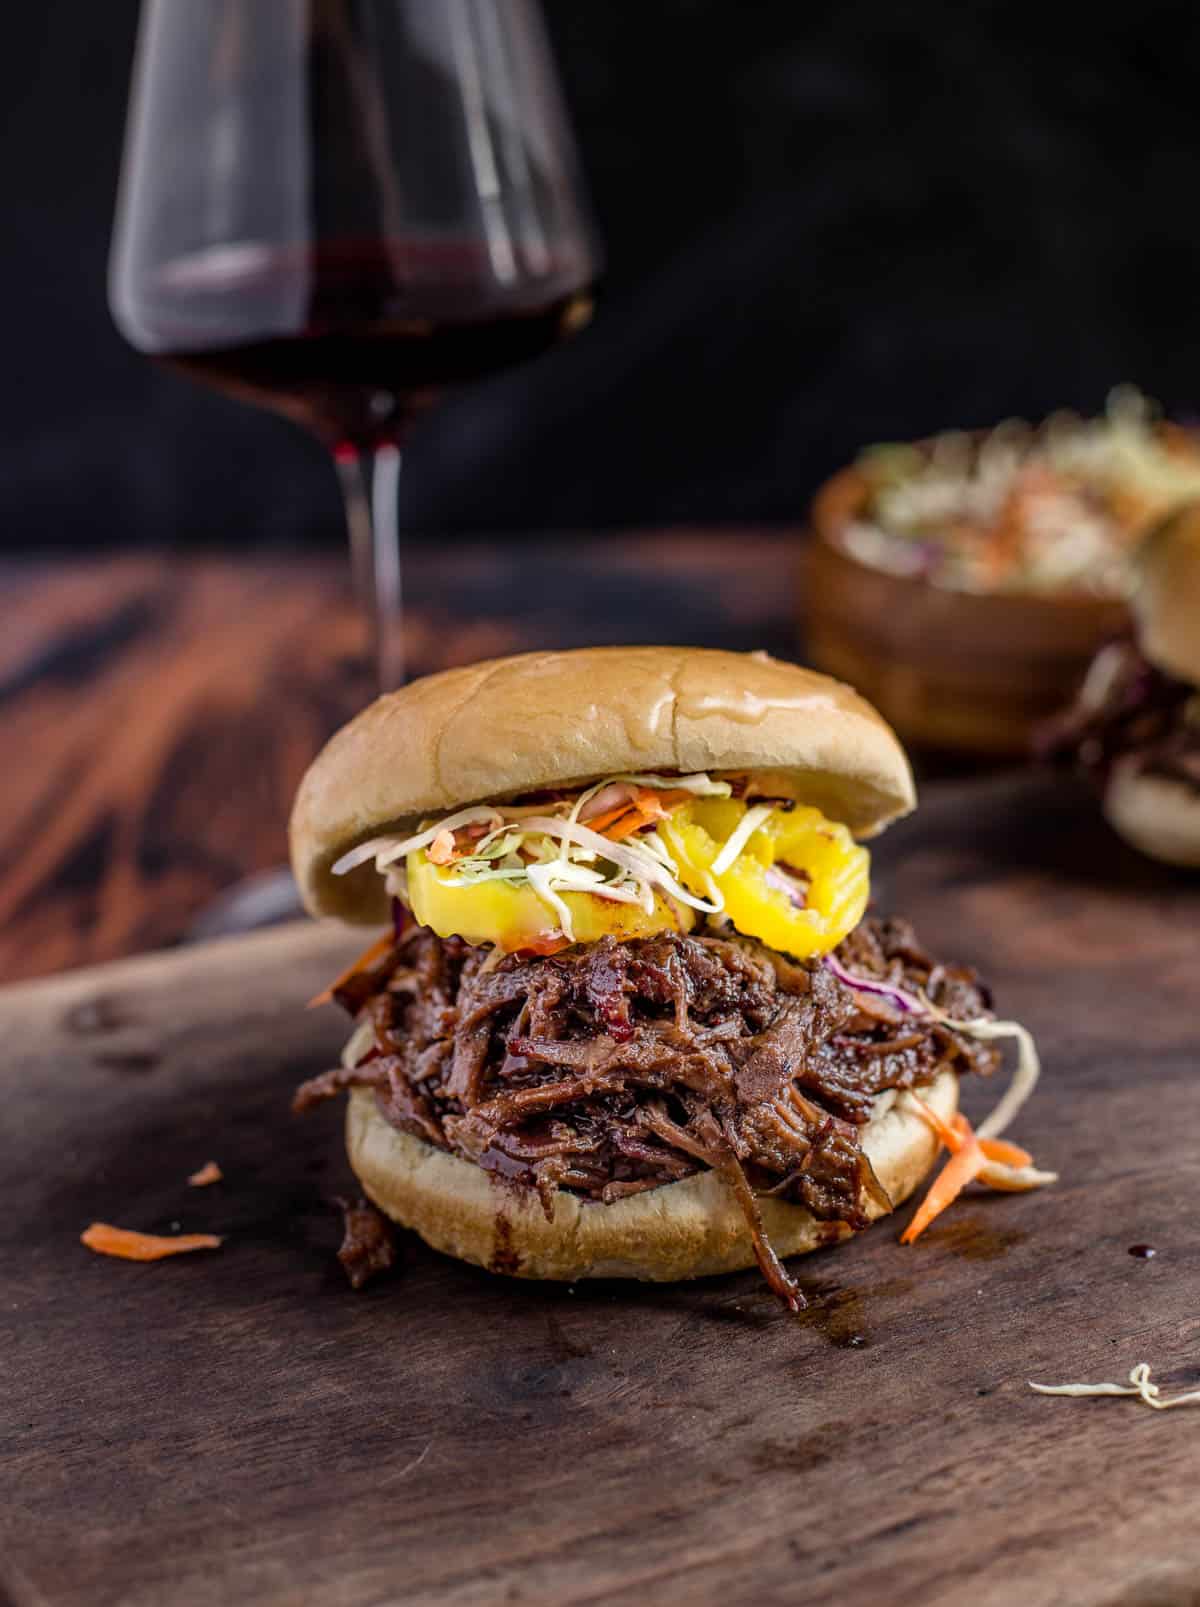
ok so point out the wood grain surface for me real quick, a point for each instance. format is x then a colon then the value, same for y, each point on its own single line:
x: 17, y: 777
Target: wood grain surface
x: 238, y: 1426
x: 157, y: 713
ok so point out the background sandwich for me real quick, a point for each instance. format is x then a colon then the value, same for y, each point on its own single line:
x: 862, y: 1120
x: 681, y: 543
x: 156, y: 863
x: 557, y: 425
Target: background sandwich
x: 1135, y: 726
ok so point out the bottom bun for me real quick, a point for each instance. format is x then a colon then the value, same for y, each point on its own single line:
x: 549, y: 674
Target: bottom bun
x: 1155, y: 814
x: 689, y: 1229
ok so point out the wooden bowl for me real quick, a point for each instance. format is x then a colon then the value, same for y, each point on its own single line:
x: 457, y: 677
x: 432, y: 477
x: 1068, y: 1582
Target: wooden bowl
x: 966, y: 672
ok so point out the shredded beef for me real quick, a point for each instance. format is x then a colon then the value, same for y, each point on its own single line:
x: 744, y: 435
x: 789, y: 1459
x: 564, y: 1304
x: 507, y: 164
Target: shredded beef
x: 1131, y: 712
x: 612, y: 1068
x: 368, y: 1245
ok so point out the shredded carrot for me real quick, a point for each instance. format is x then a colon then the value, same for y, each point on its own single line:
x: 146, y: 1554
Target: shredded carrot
x: 541, y: 945
x: 210, y: 1172
x: 646, y: 807
x: 943, y: 1129
x: 612, y: 817
x: 367, y: 958
x: 969, y: 1156
x: 129, y: 1246
x: 633, y: 821
x: 442, y: 850
x: 995, y: 1149
x: 964, y: 1165
x: 999, y: 1149
x: 601, y: 823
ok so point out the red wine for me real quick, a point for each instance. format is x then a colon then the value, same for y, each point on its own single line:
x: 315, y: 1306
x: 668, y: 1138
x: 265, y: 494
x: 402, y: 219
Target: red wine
x: 362, y: 387
x: 379, y: 332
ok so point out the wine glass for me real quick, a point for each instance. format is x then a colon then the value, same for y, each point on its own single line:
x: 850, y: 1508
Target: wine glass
x: 339, y: 208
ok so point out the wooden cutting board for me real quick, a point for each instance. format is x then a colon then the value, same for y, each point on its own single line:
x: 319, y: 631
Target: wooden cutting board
x: 241, y: 1427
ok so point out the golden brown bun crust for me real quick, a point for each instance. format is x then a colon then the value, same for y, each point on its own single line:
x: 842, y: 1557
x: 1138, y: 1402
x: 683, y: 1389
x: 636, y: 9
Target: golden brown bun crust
x: 689, y: 1229
x: 513, y: 725
x: 1167, y: 601
x: 1159, y: 816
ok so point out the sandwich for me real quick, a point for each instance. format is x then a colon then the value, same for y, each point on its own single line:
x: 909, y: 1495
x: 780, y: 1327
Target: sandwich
x: 630, y: 1015
x: 1135, y: 726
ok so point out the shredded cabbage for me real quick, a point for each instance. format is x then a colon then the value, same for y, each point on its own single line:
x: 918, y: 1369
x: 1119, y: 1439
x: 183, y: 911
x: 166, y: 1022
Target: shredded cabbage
x: 643, y: 868
x: 1025, y: 1075
x: 909, y: 1003
x: 384, y: 850
x: 1040, y: 509
x: 701, y: 784
x: 550, y: 849
x: 1139, y: 1385
x: 740, y: 836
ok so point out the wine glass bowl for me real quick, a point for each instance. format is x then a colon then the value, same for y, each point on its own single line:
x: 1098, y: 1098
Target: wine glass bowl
x: 340, y: 208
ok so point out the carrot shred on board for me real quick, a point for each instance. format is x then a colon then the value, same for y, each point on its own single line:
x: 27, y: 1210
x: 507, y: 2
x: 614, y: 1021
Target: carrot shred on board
x: 995, y: 1161
x: 127, y: 1245
x: 999, y: 1149
x: 943, y: 1129
x: 210, y: 1172
x: 964, y: 1165
x: 376, y: 951
x: 996, y: 1149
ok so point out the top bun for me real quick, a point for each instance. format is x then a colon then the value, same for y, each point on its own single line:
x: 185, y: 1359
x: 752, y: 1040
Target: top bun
x: 1167, y: 601
x: 495, y: 730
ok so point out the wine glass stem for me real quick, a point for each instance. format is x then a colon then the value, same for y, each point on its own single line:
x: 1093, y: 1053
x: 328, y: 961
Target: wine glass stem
x: 370, y: 481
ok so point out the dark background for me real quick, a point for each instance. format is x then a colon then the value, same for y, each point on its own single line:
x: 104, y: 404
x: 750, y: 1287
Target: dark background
x: 826, y: 224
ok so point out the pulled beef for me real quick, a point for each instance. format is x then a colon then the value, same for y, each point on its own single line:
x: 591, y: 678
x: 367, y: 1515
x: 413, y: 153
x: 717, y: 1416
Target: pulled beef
x: 1128, y: 712
x: 612, y: 1068
x: 368, y: 1243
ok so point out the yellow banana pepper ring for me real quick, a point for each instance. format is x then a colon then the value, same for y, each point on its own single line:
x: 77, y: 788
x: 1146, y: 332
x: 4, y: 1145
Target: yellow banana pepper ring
x: 798, y: 839
x: 514, y: 917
